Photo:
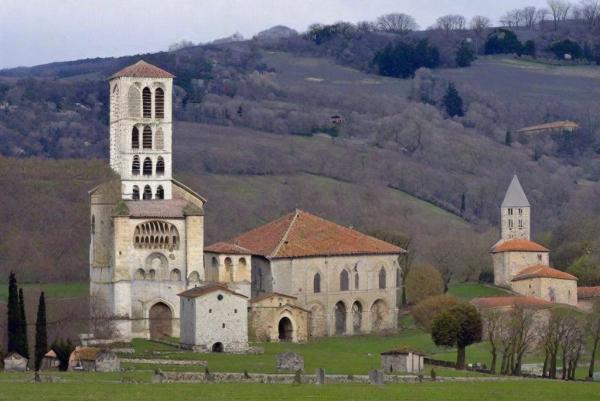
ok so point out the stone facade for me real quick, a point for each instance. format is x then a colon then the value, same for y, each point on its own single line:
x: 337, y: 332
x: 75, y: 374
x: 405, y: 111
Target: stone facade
x: 107, y: 361
x: 515, y: 213
x: 276, y: 317
x: 508, y: 264
x: 547, y: 288
x: 364, y: 307
x: 14, y: 362
x: 214, y: 319
x: 394, y: 362
x: 146, y: 246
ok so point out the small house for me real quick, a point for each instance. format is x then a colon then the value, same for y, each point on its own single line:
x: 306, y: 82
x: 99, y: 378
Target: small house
x: 83, y: 359
x: 50, y: 360
x: 14, y: 362
x: 402, y: 361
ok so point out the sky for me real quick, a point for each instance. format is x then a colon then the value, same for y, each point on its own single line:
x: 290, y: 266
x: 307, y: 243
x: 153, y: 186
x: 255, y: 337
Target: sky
x: 41, y: 31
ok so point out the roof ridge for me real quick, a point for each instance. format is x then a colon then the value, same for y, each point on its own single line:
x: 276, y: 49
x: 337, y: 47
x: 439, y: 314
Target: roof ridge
x: 286, y: 233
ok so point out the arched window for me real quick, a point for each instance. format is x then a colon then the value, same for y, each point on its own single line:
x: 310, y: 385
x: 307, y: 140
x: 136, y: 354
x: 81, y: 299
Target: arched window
x: 147, y: 137
x: 344, y: 280
x: 159, y: 103
x: 356, y: 281
x: 140, y: 274
x: 156, y: 234
x: 114, y: 103
x: 133, y: 101
x: 160, y: 192
x: 93, y: 227
x: 228, y: 270
x: 175, y: 275
x: 135, y: 138
x: 147, y: 102
x: 147, y: 192
x: 147, y: 166
x: 135, y: 166
x: 135, y: 195
x: 382, y: 278
x: 159, y: 139
x: 317, y: 283
x: 160, y: 166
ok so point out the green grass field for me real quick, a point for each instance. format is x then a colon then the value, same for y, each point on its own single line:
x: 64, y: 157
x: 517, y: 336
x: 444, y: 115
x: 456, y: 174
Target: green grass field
x: 530, y: 390
x: 51, y: 290
x: 468, y: 291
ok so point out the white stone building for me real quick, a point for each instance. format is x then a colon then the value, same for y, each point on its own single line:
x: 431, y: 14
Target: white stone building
x: 214, y: 319
x: 347, y: 280
x: 147, y: 230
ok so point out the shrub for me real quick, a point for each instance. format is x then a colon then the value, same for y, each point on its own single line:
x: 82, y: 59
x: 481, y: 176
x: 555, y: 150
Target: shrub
x: 465, y: 55
x: 503, y: 41
x: 403, y: 59
x: 586, y: 270
x: 423, y: 282
x: 560, y: 49
x: 425, y: 311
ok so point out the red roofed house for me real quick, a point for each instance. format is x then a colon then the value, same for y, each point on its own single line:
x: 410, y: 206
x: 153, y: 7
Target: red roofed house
x: 546, y: 283
x: 346, y: 279
x: 586, y: 296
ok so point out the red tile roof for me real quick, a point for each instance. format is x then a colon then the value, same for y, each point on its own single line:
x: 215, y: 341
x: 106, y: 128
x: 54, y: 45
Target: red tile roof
x: 542, y: 271
x: 588, y: 292
x: 142, y: 69
x: 207, y: 289
x: 227, y: 248
x: 518, y: 245
x: 269, y: 295
x: 500, y: 302
x: 301, y: 234
x: 85, y: 353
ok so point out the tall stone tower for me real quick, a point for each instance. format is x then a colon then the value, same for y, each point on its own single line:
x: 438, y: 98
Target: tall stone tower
x: 141, y: 130
x: 515, y: 213
x: 147, y: 229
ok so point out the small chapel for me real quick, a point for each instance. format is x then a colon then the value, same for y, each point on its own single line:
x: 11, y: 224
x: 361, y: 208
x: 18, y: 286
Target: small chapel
x: 297, y: 277
x: 521, y: 264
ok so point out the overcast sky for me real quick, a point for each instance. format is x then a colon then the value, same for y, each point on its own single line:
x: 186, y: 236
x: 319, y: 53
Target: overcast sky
x: 42, y: 31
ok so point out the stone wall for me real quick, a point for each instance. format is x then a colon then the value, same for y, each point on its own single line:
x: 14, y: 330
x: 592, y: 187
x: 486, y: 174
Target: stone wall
x: 508, y: 264
x: 550, y: 289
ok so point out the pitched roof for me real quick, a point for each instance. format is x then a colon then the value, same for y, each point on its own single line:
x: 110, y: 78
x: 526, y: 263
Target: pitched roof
x: 517, y: 300
x: 269, y: 295
x: 565, y: 125
x: 515, y: 196
x: 227, y: 248
x: 518, y: 245
x: 142, y: 69
x: 207, y: 289
x: 542, y: 271
x: 85, y: 353
x: 301, y: 234
x: 588, y: 292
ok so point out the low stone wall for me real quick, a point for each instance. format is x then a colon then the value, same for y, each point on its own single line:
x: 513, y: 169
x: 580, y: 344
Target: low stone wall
x: 198, y: 377
x: 165, y: 361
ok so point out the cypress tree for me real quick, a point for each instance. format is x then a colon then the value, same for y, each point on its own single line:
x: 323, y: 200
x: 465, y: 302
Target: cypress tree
x: 41, y: 333
x: 463, y: 203
x: 453, y: 102
x: 23, y: 326
x: 508, y: 138
x: 13, y: 315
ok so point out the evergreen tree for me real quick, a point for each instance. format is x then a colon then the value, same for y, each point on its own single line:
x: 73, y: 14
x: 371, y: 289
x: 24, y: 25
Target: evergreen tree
x: 13, y: 314
x: 529, y: 48
x: 508, y: 138
x: 23, y: 326
x: 41, y: 333
x: 465, y: 55
x: 463, y: 203
x: 453, y: 102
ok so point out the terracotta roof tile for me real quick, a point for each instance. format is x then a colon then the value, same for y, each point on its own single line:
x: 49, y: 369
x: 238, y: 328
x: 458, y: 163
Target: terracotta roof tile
x: 518, y: 245
x: 227, y: 248
x: 301, y: 234
x: 567, y: 125
x: 85, y: 353
x: 142, y: 69
x: 207, y: 289
x: 500, y: 302
x: 588, y: 292
x: 542, y: 271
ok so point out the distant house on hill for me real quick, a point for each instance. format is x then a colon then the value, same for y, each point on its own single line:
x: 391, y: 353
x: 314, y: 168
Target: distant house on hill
x: 556, y: 126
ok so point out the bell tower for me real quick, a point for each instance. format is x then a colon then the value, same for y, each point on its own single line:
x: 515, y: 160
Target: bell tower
x: 515, y: 213
x: 141, y: 131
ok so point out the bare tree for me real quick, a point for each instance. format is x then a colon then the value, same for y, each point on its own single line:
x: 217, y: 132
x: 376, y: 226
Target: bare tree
x: 590, y: 12
x: 102, y: 323
x: 560, y: 11
x: 494, y: 330
x: 479, y: 24
x: 529, y: 15
x: 593, y: 330
x: 452, y: 22
x: 396, y: 23
x: 542, y: 15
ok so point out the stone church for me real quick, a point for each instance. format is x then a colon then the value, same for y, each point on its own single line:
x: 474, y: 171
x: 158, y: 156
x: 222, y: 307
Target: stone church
x: 521, y: 264
x: 302, y: 275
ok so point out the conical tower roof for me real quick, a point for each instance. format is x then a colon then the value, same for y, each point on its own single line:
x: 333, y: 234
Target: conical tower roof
x: 142, y: 69
x: 515, y: 196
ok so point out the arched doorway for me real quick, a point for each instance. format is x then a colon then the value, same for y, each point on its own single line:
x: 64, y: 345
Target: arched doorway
x: 286, y: 330
x: 217, y: 347
x: 161, y: 320
x: 379, y: 315
x: 356, y: 317
x: 340, y: 318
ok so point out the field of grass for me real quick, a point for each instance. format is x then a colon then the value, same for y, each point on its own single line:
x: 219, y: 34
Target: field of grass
x: 468, y: 291
x: 51, y: 290
x: 530, y: 390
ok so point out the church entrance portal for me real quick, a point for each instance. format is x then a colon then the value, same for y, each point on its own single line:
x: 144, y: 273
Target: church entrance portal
x: 217, y: 347
x: 161, y: 320
x: 286, y: 329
